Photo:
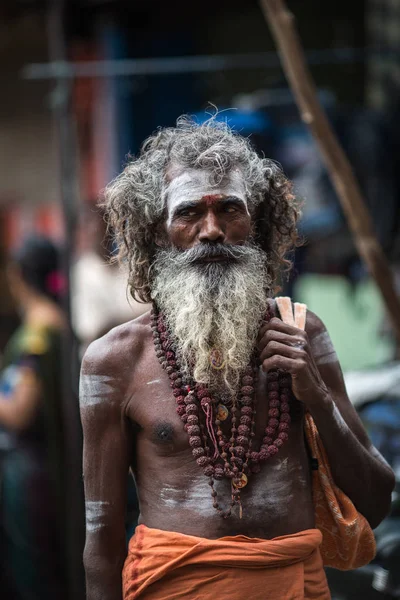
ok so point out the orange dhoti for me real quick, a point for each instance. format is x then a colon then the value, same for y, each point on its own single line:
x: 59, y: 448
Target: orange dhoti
x: 163, y: 565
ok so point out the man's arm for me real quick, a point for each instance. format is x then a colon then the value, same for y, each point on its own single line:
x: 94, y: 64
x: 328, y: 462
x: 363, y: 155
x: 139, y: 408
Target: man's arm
x: 357, y: 467
x: 106, y: 458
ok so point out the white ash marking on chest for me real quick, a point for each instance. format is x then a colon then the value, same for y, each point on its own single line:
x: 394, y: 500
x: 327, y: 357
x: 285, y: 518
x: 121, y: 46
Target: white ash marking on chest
x: 195, y: 497
x: 95, y: 389
x: 272, y: 498
x: 96, y: 512
x: 322, y: 349
x: 154, y: 381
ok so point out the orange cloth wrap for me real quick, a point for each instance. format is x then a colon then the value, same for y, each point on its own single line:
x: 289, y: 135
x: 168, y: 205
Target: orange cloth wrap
x: 163, y: 565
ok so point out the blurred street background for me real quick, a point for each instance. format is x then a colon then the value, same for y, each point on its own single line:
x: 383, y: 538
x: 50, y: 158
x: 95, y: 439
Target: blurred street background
x: 84, y: 82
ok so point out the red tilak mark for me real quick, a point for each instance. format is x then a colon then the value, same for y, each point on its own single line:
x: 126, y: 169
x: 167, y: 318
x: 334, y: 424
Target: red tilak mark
x: 212, y: 199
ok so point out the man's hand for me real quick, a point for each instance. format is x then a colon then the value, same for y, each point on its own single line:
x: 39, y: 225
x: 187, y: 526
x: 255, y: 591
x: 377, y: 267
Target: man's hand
x: 285, y: 347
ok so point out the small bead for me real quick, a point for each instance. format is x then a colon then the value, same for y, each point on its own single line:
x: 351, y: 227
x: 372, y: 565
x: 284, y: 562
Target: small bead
x: 273, y: 423
x: 268, y: 440
x: 247, y: 380
x: 240, y: 451
x: 202, y: 393
x: 219, y: 472
x: 203, y: 461
x: 197, y: 452
x: 193, y: 430
x: 223, y: 455
x: 193, y: 420
x: 247, y: 390
x: 242, y: 440
x: 273, y: 386
x: 272, y: 376
x: 285, y: 418
x: 278, y: 442
x: 283, y: 436
x: 285, y: 398
x: 195, y: 441
x: 245, y: 420
x: 192, y: 409
x: 246, y: 410
x: 209, y: 471
x: 273, y: 412
x: 285, y: 408
x: 180, y: 410
x: 272, y: 450
x: 274, y: 403
x: 273, y: 395
x: 283, y: 427
x: 180, y: 399
x: 206, y: 401
x: 243, y: 430
x: 269, y: 431
x: 246, y: 400
x: 214, y: 494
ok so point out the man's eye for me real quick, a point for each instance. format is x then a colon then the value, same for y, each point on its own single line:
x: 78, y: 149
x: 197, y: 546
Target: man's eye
x: 230, y: 209
x: 187, y: 213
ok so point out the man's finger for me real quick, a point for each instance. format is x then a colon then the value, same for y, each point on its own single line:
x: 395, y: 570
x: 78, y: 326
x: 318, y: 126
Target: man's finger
x: 294, y: 350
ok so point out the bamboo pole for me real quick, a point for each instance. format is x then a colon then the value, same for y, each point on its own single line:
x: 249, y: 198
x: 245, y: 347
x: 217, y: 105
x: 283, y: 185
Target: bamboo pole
x: 282, y: 25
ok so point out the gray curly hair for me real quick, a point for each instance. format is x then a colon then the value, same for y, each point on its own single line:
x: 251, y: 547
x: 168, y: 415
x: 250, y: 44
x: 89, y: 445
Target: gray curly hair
x: 135, y: 207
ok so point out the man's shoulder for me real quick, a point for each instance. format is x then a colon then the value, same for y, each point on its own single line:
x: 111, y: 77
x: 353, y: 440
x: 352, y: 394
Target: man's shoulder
x: 119, y: 348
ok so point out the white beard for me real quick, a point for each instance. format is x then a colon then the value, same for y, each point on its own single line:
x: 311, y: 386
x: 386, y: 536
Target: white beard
x: 214, y: 304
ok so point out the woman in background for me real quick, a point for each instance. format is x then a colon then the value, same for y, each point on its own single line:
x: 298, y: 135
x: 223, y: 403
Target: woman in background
x: 31, y: 554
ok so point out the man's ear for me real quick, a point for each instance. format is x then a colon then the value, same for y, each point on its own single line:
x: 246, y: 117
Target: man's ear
x: 160, y: 236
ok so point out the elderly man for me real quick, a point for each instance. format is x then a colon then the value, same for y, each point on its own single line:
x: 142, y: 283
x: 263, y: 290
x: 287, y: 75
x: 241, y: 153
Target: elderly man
x: 205, y: 397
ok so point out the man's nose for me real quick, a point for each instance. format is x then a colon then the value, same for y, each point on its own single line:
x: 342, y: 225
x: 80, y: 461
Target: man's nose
x: 211, y: 229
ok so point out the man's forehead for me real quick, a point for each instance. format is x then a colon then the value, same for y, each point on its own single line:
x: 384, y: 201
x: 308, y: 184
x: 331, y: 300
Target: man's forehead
x: 196, y: 184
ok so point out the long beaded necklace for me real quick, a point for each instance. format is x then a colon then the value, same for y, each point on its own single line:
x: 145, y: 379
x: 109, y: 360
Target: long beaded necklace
x: 220, y: 457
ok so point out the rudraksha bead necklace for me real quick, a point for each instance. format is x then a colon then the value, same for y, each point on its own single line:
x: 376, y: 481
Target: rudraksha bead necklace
x: 202, y: 415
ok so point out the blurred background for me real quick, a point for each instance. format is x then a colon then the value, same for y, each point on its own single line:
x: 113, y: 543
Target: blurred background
x: 84, y: 82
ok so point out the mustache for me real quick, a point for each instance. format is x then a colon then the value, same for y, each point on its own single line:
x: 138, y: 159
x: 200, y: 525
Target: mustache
x: 200, y: 252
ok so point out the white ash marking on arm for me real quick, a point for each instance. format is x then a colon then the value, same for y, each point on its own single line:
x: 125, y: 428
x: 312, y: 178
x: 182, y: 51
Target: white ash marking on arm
x: 322, y: 349
x: 94, y: 389
x: 153, y: 381
x: 96, y: 512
